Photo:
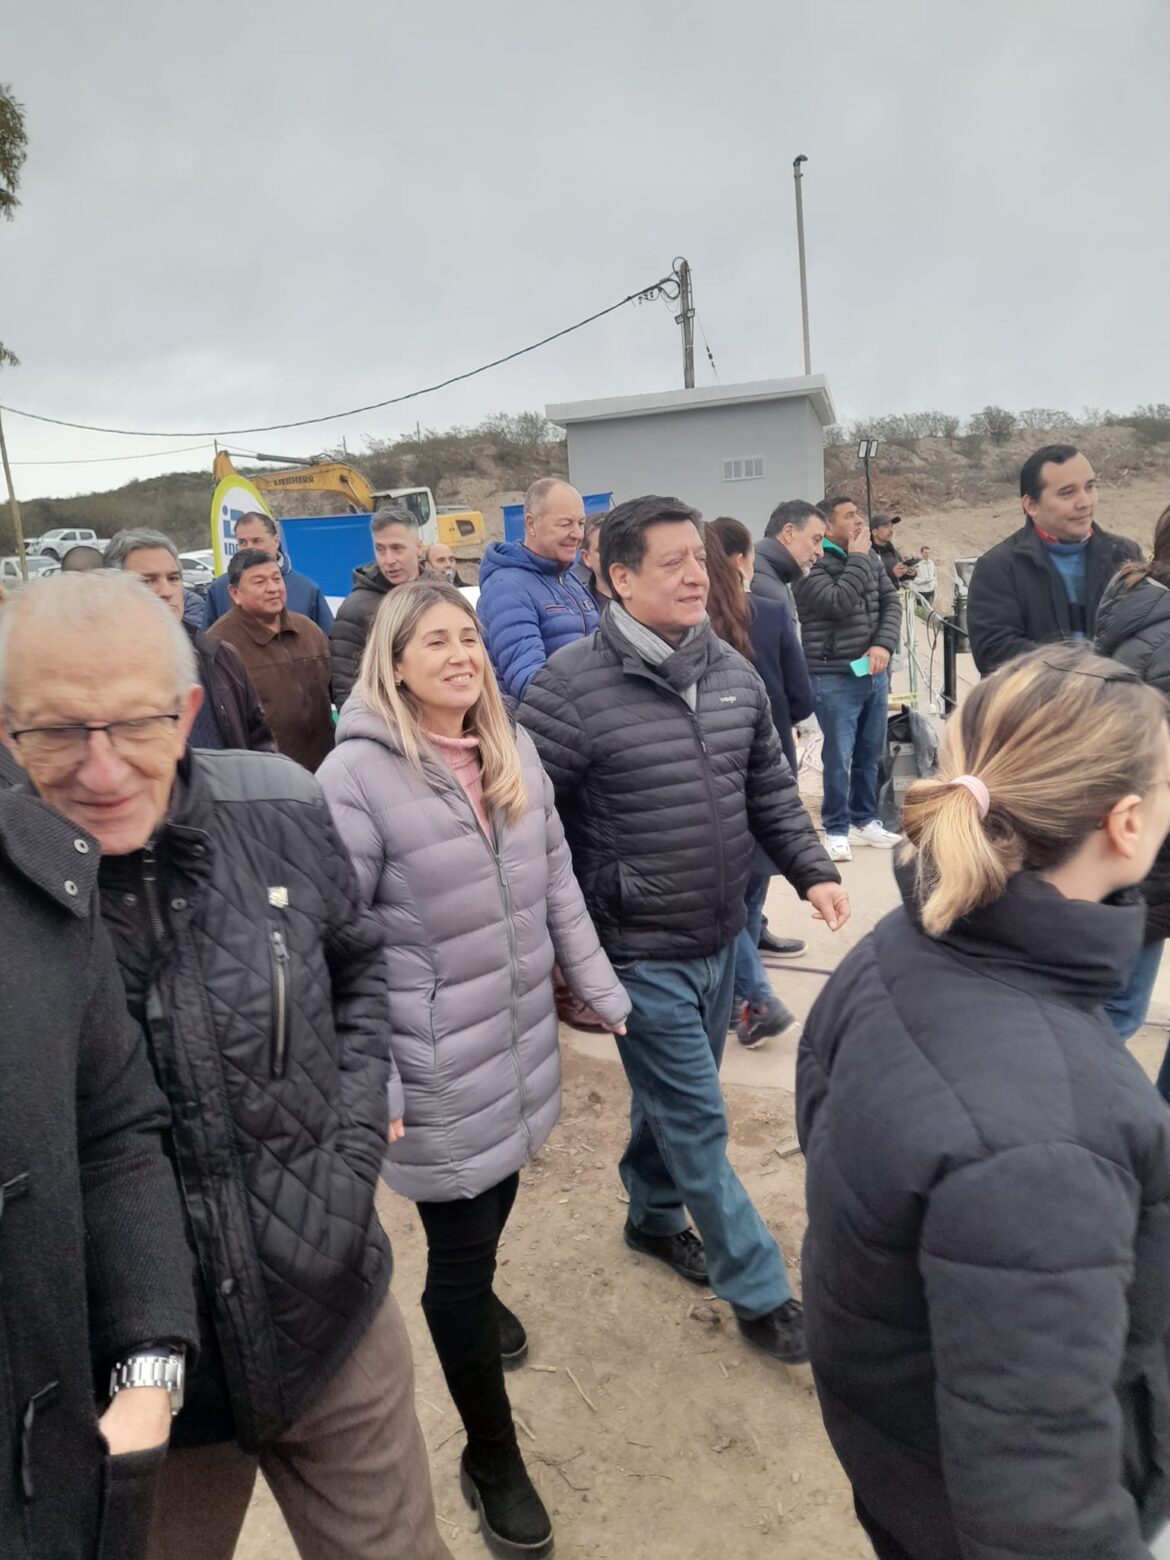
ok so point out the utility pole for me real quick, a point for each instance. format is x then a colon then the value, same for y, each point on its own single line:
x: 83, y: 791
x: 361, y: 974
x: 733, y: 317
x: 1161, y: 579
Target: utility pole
x: 867, y: 450
x: 686, y: 318
x: 14, y: 506
x: 797, y: 176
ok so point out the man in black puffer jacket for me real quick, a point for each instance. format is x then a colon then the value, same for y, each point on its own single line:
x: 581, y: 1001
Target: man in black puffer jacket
x: 261, y: 986
x: 660, y: 745
x: 396, y: 562
x: 850, y: 616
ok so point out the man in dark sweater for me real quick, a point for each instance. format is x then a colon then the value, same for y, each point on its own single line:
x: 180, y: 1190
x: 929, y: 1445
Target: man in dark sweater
x: 1044, y: 583
x: 791, y: 545
x: 660, y: 744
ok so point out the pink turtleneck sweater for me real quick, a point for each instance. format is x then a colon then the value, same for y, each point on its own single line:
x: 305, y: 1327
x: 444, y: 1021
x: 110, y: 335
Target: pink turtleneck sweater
x: 462, y: 758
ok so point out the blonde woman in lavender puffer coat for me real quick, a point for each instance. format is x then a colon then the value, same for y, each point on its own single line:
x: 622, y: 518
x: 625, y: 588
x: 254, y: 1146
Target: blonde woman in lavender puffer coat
x: 460, y: 854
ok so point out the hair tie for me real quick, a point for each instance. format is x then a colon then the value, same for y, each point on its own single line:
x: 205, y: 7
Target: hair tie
x: 977, y: 789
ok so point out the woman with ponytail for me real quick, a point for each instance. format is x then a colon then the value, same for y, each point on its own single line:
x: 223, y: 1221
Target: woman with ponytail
x: 987, y: 1264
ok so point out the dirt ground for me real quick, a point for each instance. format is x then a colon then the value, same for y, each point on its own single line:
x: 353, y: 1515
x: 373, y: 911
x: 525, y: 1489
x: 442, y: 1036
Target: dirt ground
x: 689, y: 1445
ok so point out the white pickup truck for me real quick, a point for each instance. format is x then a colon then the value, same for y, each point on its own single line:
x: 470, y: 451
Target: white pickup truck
x: 55, y: 544
x: 10, y: 569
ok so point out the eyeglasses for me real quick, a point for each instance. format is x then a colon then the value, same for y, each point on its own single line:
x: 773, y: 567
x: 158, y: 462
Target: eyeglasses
x: 63, y: 748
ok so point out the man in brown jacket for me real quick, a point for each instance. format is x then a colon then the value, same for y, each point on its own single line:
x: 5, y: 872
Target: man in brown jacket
x: 286, y: 656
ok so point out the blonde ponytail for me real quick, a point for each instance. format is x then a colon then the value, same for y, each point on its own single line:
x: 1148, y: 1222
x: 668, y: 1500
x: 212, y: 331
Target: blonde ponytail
x: 1057, y: 738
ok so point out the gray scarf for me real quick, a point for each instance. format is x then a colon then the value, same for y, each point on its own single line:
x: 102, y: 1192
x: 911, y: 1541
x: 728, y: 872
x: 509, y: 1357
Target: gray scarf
x: 680, y: 665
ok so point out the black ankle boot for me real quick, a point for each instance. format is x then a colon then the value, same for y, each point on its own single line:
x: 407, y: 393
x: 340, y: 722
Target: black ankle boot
x: 512, y: 1518
x: 513, y: 1338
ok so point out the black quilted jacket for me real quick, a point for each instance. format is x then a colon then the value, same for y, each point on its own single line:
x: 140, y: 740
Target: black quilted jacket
x: 846, y: 605
x: 261, y: 984
x: 660, y: 804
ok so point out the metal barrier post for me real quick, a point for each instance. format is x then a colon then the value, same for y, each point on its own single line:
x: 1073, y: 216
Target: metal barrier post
x: 951, y: 635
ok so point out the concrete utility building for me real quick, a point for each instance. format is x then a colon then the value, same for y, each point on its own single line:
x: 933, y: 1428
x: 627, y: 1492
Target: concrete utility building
x: 727, y: 450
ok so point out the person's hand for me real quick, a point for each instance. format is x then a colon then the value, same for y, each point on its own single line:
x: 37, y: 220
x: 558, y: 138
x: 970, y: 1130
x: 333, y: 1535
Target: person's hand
x: 879, y: 659
x: 859, y: 541
x: 830, y: 904
x: 138, y: 1420
x: 397, y: 1130
x: 900, y: 570
x: 616, y: 1029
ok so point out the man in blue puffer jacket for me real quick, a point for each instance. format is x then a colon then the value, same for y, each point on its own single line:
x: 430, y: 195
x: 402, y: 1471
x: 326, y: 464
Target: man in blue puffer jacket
x: 530, y: 602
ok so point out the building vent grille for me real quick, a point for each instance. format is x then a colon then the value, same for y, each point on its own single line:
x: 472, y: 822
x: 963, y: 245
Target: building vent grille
x: 743, y: 468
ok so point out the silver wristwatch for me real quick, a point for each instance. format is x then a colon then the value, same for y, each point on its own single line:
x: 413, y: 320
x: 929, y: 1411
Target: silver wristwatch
x: 161, y: 1369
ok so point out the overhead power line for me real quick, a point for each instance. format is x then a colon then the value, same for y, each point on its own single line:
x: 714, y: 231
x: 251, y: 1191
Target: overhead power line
x: 354, y: 411
x: 101, y: 460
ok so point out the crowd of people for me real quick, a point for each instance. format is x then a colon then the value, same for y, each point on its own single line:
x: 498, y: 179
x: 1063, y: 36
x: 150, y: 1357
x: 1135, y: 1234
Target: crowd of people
x: 288, y: 902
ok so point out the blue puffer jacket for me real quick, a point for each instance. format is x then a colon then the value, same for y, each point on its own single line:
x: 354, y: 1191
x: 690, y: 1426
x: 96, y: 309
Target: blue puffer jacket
x: 529, y: 607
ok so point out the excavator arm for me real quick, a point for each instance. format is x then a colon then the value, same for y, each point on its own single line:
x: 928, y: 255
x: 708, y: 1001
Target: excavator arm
x: 324, y: 476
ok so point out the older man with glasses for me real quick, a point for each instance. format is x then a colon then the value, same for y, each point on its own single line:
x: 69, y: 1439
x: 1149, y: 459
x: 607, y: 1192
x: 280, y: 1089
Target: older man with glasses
x: 260, y: 982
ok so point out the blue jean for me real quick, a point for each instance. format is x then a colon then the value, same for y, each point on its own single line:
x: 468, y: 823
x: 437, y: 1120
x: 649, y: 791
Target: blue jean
x: 751, y: 978
x: 676, y: 1158
x: 851, y: 712
x: 1127, y: 1009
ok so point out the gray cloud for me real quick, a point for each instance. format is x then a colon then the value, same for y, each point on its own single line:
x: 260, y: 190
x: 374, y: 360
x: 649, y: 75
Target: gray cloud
x: 241, y: 214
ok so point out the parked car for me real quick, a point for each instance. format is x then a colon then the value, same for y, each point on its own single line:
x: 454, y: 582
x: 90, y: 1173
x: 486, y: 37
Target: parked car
x: 10, y: 569
x: 55, y: 544
x: 198, y: 570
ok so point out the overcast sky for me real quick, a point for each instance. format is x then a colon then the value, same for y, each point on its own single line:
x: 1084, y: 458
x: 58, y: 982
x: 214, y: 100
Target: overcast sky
x: 236, y: 214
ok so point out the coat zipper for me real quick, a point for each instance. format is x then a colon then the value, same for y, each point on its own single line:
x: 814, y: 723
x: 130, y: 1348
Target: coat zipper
x: 452, y: 786
x: 280, y: 961
x: 712, y: 798
x: 150, y: 891
x: 659, y: 682
x: 514, y: 974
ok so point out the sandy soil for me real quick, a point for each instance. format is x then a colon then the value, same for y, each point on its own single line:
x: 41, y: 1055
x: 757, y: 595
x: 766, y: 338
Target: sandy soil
x: 692, y: 1444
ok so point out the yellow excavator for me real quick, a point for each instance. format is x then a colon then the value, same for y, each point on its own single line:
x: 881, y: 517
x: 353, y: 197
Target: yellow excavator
x: 461, y: 529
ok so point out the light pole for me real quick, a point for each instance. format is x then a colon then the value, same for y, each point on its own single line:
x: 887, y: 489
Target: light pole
x: 797, y: 176
x: 867, y: 450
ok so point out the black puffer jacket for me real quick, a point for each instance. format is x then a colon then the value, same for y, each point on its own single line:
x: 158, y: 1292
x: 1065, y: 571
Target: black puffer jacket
x: 1018, y: 601
x: 351, y: 628
x: 660, y: 804
x: 262, y: 985
x: 1133, y: 626
x: 92, y: 1255
x: 847, y: 605
x: 987, y: 1265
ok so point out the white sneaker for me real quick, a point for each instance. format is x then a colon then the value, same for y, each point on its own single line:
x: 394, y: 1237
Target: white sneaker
x: 874, y: 834
x: 837, y: 847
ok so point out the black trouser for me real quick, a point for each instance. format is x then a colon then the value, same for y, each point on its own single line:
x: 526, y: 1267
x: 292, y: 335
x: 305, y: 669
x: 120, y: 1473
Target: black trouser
x: 885, y: 1545
x: 462, y: 1239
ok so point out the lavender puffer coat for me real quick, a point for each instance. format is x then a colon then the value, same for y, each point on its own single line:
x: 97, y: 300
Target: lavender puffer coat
x: 471, y: 935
